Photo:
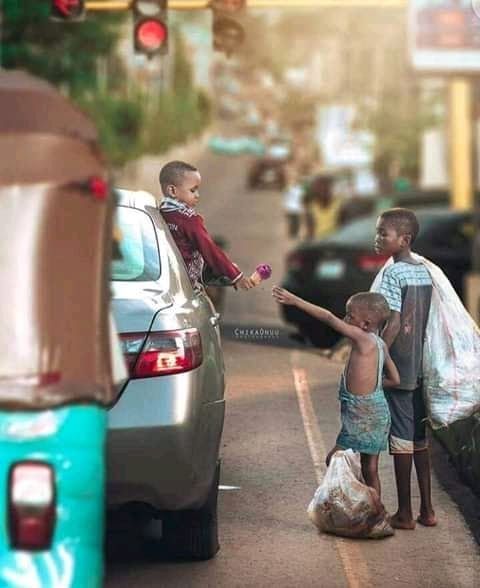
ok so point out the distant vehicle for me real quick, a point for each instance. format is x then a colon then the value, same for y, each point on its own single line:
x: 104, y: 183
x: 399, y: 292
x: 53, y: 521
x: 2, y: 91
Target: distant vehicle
x: 268, y: 171
x: 360, y: 206
x: 329, y: 271
x: 165, y: 430
x: 242, y: 145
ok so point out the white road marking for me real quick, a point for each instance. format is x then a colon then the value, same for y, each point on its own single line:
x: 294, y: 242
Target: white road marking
x: 355, y: 566
x: 223, y: 487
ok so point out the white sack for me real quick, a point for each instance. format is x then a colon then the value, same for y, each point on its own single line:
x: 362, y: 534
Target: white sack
x: 451, y: 353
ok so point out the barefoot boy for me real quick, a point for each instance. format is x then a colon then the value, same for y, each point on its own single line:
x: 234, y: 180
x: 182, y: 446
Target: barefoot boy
x: 364, y: 410
x: 407, y: 287
x: 180, y: 184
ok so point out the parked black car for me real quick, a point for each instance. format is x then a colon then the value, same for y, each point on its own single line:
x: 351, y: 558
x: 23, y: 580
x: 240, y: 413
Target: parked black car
x: 329, y: 271
x: 360, y: 206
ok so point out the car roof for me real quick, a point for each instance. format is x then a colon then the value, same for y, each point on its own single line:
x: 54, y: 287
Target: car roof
x: 362, y: 230
x: 135, y: 198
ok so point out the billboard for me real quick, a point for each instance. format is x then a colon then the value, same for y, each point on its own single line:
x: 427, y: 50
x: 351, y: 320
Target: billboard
x: 444, y: 35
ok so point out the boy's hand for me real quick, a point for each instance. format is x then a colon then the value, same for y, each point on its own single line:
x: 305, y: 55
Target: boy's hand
x: 244, y: 284
x: 331, y: 453
x: 284, y: 296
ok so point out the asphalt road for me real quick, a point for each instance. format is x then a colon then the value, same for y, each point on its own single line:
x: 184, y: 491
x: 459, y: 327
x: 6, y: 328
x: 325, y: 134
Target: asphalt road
x: 282, y: 417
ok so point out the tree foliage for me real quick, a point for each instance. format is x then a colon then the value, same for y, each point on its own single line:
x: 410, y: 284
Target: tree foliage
x: 68, y: 54
x: 61, y: 52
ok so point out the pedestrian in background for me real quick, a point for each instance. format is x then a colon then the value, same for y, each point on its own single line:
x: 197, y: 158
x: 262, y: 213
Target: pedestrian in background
x: 322, y: 207
x: 293, y: 200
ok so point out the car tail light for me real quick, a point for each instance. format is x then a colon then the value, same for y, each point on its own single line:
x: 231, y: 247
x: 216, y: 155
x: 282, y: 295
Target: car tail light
x: 300, y: 261
x: 162, y: 353
x: 31, y: 505
x: 131, y: 344
x: 295, y: 261
x: 370, y: 262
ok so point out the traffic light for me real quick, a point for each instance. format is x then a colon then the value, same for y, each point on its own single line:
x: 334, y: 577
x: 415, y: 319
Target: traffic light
x: 67, y: 10
x: 228, y: 30
x: 150, y: 30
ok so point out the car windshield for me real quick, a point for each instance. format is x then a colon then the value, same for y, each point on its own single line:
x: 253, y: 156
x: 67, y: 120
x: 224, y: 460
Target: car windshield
x: 138, y: 246
x: 362, y: 231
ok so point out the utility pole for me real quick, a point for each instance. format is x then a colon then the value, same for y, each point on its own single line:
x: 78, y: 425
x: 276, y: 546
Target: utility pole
x: 460, y: 143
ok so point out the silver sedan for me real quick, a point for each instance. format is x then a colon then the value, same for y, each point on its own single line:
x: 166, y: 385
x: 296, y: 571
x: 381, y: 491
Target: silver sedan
x: 165, y: 429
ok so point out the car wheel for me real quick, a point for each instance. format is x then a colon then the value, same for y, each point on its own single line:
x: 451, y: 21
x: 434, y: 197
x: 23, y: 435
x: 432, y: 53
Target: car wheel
x: 193, y: 534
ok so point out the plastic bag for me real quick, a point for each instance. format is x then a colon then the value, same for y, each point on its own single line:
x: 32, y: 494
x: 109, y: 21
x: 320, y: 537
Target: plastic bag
x: 344, y: 505
x: 451, y: 353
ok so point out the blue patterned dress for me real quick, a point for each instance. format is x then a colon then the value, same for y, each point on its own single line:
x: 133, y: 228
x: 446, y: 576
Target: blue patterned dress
x: 365, y: 418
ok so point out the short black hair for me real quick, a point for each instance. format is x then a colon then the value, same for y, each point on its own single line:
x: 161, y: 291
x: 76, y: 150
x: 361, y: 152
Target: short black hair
x: 403, y: 220
x: 173, y: 172
x: 375, y: 304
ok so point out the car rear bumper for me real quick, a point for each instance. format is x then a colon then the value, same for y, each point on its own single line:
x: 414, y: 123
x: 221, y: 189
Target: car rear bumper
x: 167, y: 457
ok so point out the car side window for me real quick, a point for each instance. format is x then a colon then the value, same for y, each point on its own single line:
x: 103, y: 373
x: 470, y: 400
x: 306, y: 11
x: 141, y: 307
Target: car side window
x: 455, y: 236
x: 140, y: 260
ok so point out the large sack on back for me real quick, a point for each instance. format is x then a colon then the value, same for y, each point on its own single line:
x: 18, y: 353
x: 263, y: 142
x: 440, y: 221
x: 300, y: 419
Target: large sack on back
x: 451, y: 354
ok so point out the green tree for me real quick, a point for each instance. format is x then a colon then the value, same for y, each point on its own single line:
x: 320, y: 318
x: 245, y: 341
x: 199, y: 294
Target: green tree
x: 67, y: 55
x: 63, y: 53
x: 180, y: 112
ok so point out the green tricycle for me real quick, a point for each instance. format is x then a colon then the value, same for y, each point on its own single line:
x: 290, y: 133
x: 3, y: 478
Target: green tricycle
x: 57, y: 361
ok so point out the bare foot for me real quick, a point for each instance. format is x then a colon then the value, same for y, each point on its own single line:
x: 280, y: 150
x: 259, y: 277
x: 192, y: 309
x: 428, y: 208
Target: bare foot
x: 399, y: 522
x: 427, y: 520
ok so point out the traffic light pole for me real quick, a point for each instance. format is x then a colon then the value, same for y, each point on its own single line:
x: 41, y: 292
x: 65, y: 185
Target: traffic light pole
x: 99, y: 5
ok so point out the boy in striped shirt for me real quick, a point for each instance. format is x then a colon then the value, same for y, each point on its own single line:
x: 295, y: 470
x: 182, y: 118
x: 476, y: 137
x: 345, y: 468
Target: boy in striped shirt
x: 407, y: 287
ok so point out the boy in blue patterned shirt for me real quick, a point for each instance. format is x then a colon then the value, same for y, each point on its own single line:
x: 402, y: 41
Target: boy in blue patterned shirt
x: 407, y: 286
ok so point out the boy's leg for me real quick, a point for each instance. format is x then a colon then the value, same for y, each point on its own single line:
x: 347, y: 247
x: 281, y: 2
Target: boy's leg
x: 422, y: 467
x: 370, y: 471
x: 400, y: 403
x: 403, y: 518
x: 290, y: 225
x: 331, y: 452
x: 421, y: 458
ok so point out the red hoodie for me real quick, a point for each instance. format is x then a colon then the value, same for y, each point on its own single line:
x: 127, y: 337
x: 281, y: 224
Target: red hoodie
x: 195, y: 243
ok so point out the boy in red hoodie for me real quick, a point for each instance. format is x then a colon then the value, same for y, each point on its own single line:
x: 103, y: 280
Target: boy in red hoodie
x: 180, y: 184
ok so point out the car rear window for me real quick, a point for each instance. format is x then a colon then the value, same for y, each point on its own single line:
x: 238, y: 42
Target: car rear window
x: 138, y: 246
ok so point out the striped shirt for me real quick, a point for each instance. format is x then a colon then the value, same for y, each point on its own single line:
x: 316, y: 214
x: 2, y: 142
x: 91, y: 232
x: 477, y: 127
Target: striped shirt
x: 407, y: 287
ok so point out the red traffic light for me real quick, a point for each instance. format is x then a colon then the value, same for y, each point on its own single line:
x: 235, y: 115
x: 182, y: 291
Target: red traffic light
x: 67, y: 10
x: 229, y: 6
x: 150, y: 35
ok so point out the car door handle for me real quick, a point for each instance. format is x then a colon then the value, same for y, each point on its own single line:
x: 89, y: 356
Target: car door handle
x: 215, y: 319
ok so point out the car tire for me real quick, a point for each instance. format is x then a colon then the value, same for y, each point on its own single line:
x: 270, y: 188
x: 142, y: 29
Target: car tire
x: 193, y: 534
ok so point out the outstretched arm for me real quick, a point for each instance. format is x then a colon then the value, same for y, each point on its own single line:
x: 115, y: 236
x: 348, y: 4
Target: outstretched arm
x: 322, y: 314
